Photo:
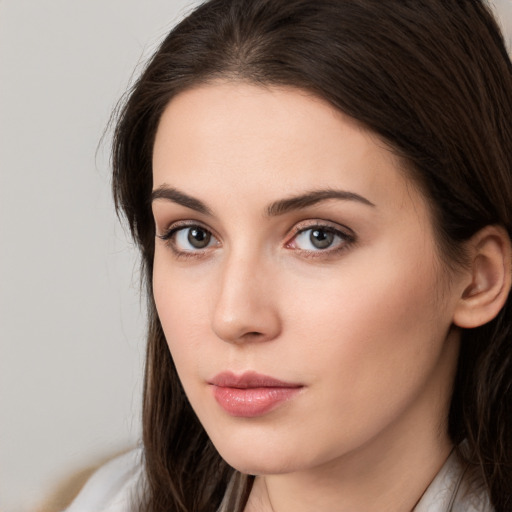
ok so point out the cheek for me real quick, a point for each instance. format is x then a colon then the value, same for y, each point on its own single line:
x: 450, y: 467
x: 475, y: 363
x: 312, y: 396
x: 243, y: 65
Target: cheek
x: 375, y: 333
x: 369, y: 348
x: 181, y: 301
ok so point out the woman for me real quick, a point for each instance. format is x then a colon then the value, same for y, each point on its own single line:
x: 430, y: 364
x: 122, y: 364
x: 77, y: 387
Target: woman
x: 322, y: 195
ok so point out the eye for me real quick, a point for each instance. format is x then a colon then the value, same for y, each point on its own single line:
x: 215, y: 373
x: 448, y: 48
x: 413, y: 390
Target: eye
x: 191, y: 238
x: 315, y: 238
x: 320, y: 238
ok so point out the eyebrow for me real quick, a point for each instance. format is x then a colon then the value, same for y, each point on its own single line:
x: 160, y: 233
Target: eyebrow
x: 311, y: 198
x: 276, y: 208
x: 174, y: 195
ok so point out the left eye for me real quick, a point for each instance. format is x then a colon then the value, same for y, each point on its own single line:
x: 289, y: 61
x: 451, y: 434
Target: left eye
x: 193, y: 238
x: 318, y: 238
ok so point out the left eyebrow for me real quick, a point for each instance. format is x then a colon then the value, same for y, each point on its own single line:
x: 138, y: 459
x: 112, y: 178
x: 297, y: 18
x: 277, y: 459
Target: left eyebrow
x: 311, y: 198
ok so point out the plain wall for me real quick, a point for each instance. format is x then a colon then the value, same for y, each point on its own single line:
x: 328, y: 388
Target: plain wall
x: 71, y: 322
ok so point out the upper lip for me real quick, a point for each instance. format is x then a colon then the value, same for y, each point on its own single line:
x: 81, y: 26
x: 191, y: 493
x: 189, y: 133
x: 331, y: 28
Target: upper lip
x: 249, y: 379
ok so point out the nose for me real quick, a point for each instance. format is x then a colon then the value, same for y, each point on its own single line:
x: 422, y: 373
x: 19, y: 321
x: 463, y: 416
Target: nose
x: 246, y: 309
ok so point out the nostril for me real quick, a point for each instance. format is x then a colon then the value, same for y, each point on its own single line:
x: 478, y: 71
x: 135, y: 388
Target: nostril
x: 251, y: 336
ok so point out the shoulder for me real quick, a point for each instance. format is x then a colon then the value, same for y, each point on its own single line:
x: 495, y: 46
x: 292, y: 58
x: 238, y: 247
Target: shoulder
x: 455, y: 489
x: 115, y: 487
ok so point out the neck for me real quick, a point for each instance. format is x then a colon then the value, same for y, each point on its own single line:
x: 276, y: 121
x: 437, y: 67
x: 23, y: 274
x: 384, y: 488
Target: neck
x: 393, y: 481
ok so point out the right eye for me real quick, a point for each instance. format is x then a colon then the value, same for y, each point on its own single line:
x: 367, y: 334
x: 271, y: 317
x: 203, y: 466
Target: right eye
x: 187, y: 239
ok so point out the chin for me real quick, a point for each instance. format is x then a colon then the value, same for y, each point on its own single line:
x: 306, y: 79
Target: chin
x: 260, y: 456
x: 261, y: 464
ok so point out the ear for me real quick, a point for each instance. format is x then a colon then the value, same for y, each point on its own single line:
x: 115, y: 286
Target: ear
x: 489, y: 277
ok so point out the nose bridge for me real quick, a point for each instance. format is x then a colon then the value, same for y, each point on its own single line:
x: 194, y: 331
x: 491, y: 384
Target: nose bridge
x: 244, y: 309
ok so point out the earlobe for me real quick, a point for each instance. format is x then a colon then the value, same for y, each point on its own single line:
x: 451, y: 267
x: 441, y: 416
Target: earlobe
x: 489, y: 278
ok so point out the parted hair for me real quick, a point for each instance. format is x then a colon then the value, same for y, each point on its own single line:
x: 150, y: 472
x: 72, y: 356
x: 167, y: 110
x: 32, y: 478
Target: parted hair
x: 432, y: 78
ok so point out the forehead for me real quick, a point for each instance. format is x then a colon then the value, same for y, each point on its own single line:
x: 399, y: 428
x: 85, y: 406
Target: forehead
x: 236, y: 139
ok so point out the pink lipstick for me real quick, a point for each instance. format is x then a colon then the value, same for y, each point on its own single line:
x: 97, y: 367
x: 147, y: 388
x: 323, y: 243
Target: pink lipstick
x: 250, y: 394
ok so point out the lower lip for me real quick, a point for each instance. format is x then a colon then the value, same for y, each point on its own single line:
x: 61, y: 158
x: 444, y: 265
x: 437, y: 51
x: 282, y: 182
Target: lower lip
x: 252, y: 402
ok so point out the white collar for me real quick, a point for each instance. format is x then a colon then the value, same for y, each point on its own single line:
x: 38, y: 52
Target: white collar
x: 453, y: 490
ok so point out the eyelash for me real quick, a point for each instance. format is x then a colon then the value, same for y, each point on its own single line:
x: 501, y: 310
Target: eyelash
x: 169, y: 237
x: 346, y: 236
x: 346, y: 239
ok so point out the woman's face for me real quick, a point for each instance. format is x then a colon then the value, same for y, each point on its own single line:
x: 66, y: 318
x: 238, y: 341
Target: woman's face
x: 297, y: 281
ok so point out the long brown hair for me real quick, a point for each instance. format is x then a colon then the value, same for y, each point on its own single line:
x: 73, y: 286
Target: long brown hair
x: 433, y: 79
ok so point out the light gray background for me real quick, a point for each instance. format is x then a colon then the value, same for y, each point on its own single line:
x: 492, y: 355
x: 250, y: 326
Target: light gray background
x: 71, y: 323
x: 71, y: 327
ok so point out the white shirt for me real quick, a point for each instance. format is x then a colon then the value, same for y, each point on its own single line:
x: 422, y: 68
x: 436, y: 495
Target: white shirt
x: 116, y: 487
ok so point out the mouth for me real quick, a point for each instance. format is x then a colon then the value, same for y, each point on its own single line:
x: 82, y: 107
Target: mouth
x: 250, y: 394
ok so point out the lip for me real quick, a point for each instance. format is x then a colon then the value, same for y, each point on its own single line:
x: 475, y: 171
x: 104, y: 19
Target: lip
x: 251, y: 394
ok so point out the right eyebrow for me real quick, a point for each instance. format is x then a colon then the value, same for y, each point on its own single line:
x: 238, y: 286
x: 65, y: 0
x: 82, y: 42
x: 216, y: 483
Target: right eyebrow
x: 174, y: 195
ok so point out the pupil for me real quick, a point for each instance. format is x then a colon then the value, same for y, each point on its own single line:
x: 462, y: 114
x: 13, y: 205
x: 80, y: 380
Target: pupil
x: 321, y: 239
x: 198, y: 238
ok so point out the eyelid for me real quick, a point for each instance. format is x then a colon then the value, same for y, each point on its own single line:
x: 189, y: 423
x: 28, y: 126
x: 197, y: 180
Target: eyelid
x: 181, y: 224
x: 169, y: 238
x: 321, y: 223
x: 346, y: 235
x: 340, y: 230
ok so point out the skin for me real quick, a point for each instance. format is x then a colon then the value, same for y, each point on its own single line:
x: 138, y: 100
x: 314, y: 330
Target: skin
x: 364, y: 325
